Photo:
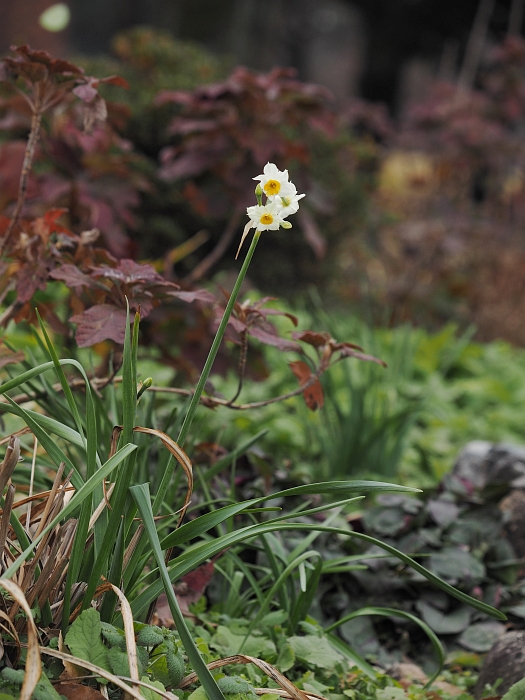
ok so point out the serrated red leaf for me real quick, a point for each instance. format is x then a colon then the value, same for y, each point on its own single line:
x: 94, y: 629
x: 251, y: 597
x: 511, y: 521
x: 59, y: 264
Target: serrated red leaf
x: 101, y: 322
x: 129, y: 272
x: 72, y: 276
x: 30, y: 278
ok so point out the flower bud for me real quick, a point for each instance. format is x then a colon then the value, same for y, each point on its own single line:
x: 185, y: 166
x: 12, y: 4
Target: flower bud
x: 286, y: 224
x: 259, y: 193
x: 143, y: 386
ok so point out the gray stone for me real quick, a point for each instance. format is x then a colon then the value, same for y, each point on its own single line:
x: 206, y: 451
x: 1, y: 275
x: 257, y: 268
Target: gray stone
x: 483, y: 466
x: 513, y: 508
x: 506, y: 660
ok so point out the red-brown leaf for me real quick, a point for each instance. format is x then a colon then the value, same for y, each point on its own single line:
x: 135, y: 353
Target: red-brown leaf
x: 195, y: 295
x: 117, y: 80
x: 273, y: 339
x: 312, y: 338
x: 76, y: 691
x: 313, y: 395
x: 129, y: 272
x: 347, y: 351
x: 73, y: 277
x: 102, y: 322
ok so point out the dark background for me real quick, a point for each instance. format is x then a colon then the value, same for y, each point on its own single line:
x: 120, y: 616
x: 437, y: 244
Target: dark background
x: 384, y: 50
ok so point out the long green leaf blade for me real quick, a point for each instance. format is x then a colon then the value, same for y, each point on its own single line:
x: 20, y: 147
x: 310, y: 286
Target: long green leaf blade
x: 142, y: 499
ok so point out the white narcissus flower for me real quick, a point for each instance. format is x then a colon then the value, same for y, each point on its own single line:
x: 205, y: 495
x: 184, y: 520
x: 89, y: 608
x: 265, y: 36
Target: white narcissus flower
x: 289, y: 203
x: 265, y: 218
x: 282, y: 200
x: 274, y: 181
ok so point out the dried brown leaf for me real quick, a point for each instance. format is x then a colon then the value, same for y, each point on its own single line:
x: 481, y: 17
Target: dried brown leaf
x: 313, y: 394
x: 33, y: 668
x: 11, y: 457
x: 179, y: 454
x: 76, y: 691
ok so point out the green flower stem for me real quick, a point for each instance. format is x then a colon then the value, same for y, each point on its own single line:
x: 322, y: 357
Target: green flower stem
x: 163, y: 487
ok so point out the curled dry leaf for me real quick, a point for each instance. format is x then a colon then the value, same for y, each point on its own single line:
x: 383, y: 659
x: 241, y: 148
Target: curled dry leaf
x: 33, y: 669
x: 313, y: 393
x: 292, y: 690
x: 179, y: 454
x: 76, y: 691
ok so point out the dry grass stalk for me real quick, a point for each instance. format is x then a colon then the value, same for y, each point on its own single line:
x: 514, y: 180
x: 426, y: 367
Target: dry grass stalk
x: 290, y: 690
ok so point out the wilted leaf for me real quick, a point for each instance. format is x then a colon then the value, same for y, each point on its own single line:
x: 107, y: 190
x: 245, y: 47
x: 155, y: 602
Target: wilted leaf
x: 101, y: 322
x: 76, y: 691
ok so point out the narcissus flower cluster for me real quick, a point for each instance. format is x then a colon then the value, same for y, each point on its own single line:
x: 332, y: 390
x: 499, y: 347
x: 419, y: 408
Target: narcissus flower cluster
x: 282, y: 200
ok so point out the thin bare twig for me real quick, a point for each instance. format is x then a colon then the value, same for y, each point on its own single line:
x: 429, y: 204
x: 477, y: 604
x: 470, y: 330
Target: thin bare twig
x: 216, y: 254
x: 242, y: 364
x: 212, y: 401
x: 34, y: 135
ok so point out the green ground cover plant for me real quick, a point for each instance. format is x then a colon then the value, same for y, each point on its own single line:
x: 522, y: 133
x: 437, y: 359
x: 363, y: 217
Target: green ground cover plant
x: 407, y: 422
